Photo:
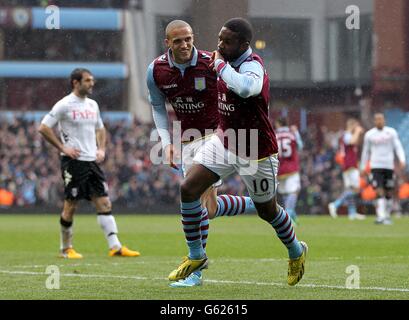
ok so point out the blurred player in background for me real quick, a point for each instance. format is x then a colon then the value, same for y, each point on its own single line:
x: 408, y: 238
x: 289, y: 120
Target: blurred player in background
x: 289, y: 182
x: 82, y: 148
x: 183, y: 77
x: 381, y: 143
x: 243, y: 97
x: 348, y: 152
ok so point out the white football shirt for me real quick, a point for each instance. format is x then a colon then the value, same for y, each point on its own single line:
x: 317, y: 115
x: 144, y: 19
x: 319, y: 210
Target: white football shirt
x: 380, y: 147
x: 77, y: 120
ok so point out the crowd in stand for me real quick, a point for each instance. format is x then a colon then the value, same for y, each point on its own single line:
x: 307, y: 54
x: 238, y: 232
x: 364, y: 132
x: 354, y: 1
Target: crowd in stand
x: 63, y: 45
x: 30, y: 169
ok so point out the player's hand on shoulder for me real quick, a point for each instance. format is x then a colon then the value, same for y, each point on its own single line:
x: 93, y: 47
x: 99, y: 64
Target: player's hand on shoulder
x: 71, y: 152
x: 100, y: 155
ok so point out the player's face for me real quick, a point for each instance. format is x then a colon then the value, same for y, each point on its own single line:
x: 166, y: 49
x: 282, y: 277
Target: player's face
x: 229, y: 44
x: 379, y: 120
x: 351, y: 125
x: 180, y: 41
x: 86, y: 85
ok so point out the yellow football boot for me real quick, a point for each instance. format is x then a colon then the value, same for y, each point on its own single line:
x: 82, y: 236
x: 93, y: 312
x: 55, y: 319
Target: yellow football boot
x: 123, y: 252
x: 187, y: 267
x: 296, y: 266
x: 70, y: 253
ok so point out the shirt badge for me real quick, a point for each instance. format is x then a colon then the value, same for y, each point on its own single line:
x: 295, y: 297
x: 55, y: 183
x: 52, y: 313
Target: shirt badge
x: 200, y: 83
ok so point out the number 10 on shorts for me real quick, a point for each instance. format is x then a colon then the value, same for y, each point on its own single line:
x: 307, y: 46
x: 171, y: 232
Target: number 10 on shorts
x: 261, y: 185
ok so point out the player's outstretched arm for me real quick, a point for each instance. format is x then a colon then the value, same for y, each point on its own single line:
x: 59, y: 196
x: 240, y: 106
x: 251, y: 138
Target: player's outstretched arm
x: 51, y: 138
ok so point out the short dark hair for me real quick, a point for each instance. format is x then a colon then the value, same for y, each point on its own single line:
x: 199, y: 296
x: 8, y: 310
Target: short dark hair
x: 242, y: 27
x: 77, y: 74
x: 283, y: 121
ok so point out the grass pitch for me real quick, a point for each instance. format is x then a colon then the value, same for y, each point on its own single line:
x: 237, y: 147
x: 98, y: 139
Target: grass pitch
x: 247, y: 261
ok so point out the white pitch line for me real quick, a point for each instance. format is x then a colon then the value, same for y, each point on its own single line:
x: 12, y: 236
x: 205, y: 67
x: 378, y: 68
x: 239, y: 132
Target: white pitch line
x: 231, y: 260
x: 275, y: 284
x: 217, y: 260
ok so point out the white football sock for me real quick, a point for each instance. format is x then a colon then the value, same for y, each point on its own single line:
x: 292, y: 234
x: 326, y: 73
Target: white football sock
x: 108, y: 225
x: 381, y: 208
x: 389, y: 207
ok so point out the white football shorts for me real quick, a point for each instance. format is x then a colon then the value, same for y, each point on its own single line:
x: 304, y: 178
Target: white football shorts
x: 189, y: 150
x: 351, y: 178
x: 289, y: 183
x: 259, y: 176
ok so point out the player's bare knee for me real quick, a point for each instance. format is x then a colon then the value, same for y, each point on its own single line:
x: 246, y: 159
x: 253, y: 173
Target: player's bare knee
x: 67, y: 215
x: 188, y: 191
x: 106, y: 206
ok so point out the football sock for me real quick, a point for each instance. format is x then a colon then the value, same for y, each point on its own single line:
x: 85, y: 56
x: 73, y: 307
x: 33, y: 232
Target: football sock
x: 388, y: 207
x: 290, y: 202
x: 204, y: 227
x: 198, y: 273
x: 228, y: 205
x: 192, y: 213
x: 66, y: 234
x: 285, y: 232
x: 343, y: 197
x: 107, y: 222
x: 381, y: 208
x: 351, y: 202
